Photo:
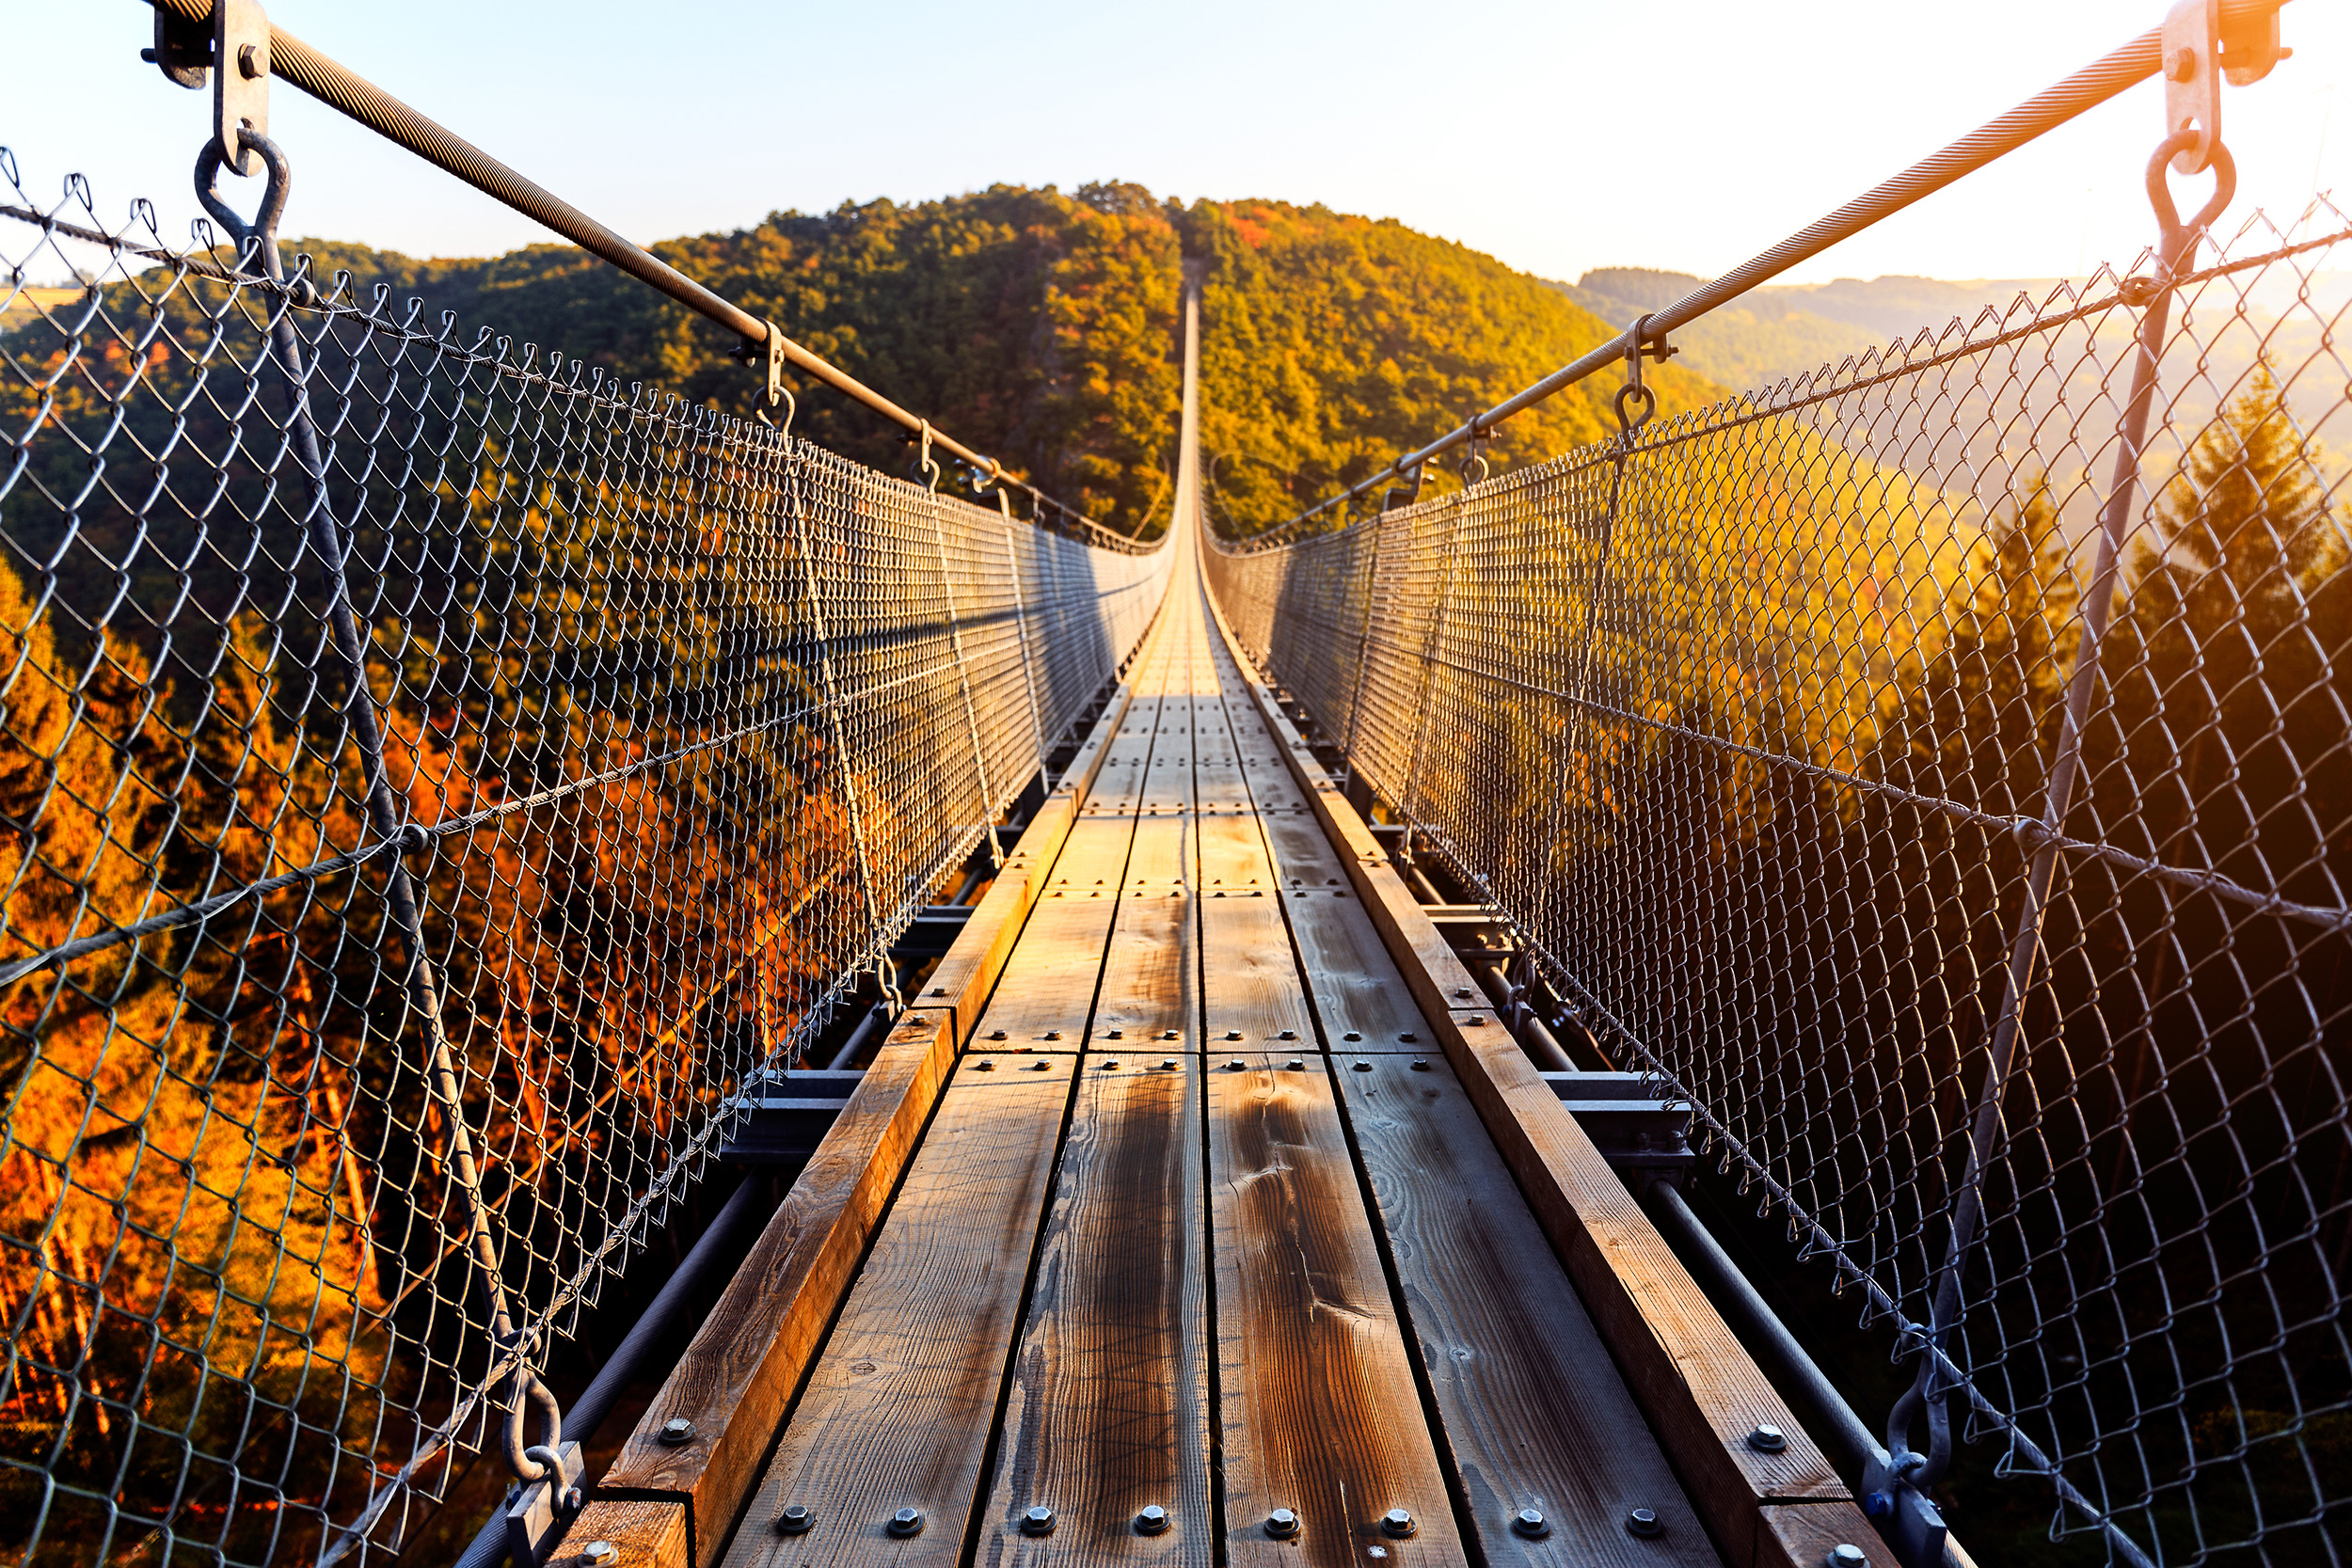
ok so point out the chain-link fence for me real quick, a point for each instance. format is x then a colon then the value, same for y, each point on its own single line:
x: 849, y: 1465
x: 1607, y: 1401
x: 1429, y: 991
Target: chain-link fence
x: 1750, y: 722
x: 436, y: 776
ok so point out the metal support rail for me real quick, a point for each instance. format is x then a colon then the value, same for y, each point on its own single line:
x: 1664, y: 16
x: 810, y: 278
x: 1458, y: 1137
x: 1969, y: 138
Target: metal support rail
x: 352, y: 95
x: 2045, y: 111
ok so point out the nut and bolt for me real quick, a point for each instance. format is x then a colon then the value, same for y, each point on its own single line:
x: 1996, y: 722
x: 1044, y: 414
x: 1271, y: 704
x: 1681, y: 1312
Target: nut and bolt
x: 907, y: 1521
x: 794, y: 1520
x: 1768, y: 1439
x: 1531, y: 1523
x: 2181, y: 65
x: 1167, y: 1064
x: 1464, y: 992
x: 1288, y: 1035
x: 1296, y: 1063
x: 1351, y: 1035
x: 1171, y: 1033
x: 1408, y: 1037
x: 1236, y: 1065
x: 1421, y: 1063
x: 253, y: 61
x: 1476, y: 1019
x: 986, y: 1064
x: 1845, y: 1555
x: 1397, y: 1523
x: 676, y: 1431
x: 1232, y: 1034
x: 996, y: 1034
x: 1281, y: 1523
x: 1038, y: 1521
x: 1110, y: 1064
x: 1040, y: 1066
x: 1363, y: 1066
x: 1119, y: 1034
x: 600, y: 1554
x: 1053, y: 1034
x: 1644, y: 1523
x: 1152, y: 1520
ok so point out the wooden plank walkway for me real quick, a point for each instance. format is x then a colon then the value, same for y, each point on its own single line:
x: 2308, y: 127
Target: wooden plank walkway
x: 1206, y: 1219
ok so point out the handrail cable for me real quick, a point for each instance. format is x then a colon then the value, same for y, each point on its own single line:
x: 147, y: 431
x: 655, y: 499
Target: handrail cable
x: 348, y: 93
x: 2045, y: 111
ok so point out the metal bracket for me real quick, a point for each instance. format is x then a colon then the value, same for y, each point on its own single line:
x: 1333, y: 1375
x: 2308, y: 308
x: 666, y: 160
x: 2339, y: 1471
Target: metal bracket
x: 183, y: 48
x: 2191, y: 57
x: 1904, y: 1517
x: 539, y: 1510
x: 241, y: 85
x: 2249, y: 47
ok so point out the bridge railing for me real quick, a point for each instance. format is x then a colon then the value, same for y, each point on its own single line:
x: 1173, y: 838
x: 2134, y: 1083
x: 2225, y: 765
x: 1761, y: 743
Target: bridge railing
x: 437, y: 776
x: 1938, y: 770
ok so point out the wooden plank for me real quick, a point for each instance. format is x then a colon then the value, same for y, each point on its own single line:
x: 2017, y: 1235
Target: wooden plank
x: 740, y: 1370
x: 1251, y: 999
x: 1693, y: 1380
x: 1532, y: 1408
x: 1108, y: 1406
x: 900, y: 1405
x: 1364, y: 1002
x: 646, y: 1535
x: 1320, y: 1414
x: 1802, y: 1535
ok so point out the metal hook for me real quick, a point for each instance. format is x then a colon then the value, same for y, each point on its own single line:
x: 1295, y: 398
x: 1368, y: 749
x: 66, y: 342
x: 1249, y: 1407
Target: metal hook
x: 1635, y: 389
x: 924, y: 464
x: 262, y: 233
x: 2178, y: 239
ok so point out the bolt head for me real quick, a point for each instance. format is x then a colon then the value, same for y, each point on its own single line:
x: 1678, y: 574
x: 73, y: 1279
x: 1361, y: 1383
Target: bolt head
x: 1846, y: 1555
x: 1421, y: 1063
x: 1408, y: 1037
x: 1040, y: 1066
x: 1232, y: 1034
x: 1167, y: 1064
x: 1878, y: 1505
x: 794, y: 1520
x: 677, y: 1430
x: 1351, y: 1035
x: 1152, y: 1520
x: 253, y: 61
x: 1236, y: 1065
x: 1281, y: 1523
x: 1398, y: 1522
x: 1171, y: 1033
x: 1768, y: 1438
x: 1363, y: 1066
x: 1053, y: 1034
x: 986, y: 1064
x: 1296, y: 1063
x: 1119, y: 1034
x: 1290, y: 1034
x: 1110, y: 1064
x: 1038, y: 1521
x: 996, y: 1034
x: 571, y: 1502
x: 1464, y: 991
x: 1477, y: 1019
x: 2181, y: 65
x: 939, y: 990
x: 600, y: 1554
x: 1645, y: 1523
x: 1531, y: 1523
x: 907, y: 1521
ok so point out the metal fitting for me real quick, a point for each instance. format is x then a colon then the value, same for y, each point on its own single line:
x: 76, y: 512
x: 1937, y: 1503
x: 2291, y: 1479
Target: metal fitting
x: 906, y: 1522
x: 1167, y: 1064
x: 1408, y: 1037
x: 1171, y: 1033
x: 1236, y: 1065
x: 1053, y: 1034
x: 1152, y: 1520
x: 1531, y: 1523
x: 676, y: 1431
x: 1768, y: 1438
x: 1110, y: 1064
x: 1845, y: 1555
x: 1288, y: 1035
x: 600, y: 1554
x: 1643, y: 1522
x: 1038, y: 1521
x: 1281, y: 1523
x: 1397, y: 1523
x: 1296, y: 1063
x: 1118, y: 1035
x: 1232, y: 1034
x: 1363, y: 1066
x: 794, y: 1520
x: 1421, y: 1063
x: 1351, y: 1035
x: 996, y: 1034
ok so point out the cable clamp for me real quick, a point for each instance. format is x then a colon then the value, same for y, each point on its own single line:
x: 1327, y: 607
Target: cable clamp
x: 240, y: 79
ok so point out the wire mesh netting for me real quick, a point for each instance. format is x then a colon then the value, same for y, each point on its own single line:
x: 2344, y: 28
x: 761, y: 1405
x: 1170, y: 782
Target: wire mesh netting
x: 493, y: 760
x: 1748, y: 721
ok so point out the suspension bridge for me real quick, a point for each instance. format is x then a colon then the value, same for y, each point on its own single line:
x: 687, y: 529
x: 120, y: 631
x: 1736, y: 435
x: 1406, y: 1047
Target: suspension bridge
x: 1207, y: 1043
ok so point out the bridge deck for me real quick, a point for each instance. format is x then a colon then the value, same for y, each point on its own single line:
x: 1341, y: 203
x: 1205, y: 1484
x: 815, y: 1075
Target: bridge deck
x: 1198, y: 1189
x: 1197, y: 1181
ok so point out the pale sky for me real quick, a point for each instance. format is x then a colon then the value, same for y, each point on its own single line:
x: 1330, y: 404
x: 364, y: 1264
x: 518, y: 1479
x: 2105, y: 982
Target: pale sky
x: 1679, y: 133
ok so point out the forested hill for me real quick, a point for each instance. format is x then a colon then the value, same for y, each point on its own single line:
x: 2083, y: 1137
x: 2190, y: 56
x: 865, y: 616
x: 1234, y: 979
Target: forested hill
x: 1040, y: 328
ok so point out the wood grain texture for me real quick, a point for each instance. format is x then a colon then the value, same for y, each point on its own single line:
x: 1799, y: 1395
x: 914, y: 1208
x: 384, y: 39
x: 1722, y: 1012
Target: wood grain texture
x: 1150, y: 971
x: 1251, y: 992
x: 1693, y: 1381
x: 900, y: 1404
x: 647, y: 1535
x: 1108, y: 1406
x: 739, y: 1371
x: 1532, y: 1408
x: 1320, y: 1411
x: 743, y: 1366
x: 1801, y: 1535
